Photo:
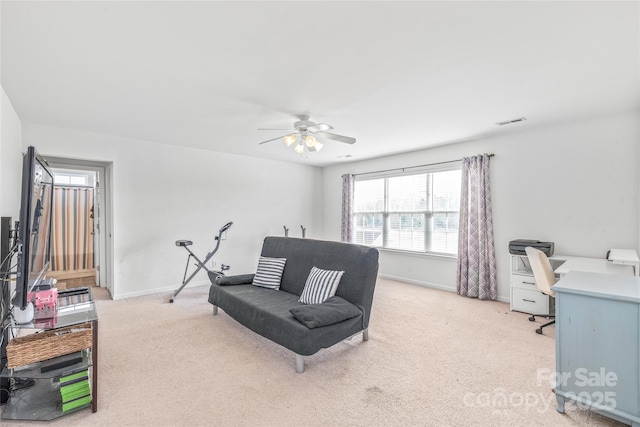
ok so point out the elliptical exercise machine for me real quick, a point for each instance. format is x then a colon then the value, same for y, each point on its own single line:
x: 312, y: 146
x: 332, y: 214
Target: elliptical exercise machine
x: 200, y: 264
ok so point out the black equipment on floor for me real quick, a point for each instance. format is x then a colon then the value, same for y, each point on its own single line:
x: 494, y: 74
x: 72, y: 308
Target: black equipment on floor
x: 200, y: 264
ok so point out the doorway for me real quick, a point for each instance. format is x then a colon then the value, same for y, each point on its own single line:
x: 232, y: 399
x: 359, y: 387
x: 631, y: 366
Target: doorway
x: 83, y: 247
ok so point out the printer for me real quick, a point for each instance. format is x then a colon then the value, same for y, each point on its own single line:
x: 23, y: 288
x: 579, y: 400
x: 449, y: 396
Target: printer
x: 516, y: 247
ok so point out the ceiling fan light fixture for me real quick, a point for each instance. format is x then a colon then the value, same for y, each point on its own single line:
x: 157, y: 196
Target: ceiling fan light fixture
x: 289, y: 140
x: 305, y: 136
x: 311, y: 141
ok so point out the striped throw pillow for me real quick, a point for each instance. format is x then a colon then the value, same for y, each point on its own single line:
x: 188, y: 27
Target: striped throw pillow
x: 320, y: 285
x: 269, y: 272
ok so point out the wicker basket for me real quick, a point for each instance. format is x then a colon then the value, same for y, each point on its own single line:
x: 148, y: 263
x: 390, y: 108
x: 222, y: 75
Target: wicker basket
x: 49, y: 344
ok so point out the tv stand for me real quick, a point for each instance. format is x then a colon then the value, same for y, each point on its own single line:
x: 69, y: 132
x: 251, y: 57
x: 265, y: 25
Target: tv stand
x: 42, y: 401
x: 5, y: 249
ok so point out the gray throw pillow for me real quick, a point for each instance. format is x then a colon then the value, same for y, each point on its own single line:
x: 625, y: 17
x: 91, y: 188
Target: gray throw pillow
x: 333, y: 310
x: 240, y: 279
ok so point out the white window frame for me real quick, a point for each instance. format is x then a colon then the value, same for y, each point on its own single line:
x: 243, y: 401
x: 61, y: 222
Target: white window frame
x: 428, y: 213
x: 87, y: 176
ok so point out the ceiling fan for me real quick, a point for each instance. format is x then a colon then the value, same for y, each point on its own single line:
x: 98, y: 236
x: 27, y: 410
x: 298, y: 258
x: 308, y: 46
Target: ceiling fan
x: 305, y: 133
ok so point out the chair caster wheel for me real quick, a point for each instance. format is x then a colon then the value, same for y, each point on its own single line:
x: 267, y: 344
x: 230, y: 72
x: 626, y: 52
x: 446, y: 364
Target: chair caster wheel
x: 539, y: 331
x: 532, y: 319
x: 171, y: 300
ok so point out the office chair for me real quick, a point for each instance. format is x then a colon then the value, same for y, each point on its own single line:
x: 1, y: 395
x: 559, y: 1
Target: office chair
x: 544, y: 278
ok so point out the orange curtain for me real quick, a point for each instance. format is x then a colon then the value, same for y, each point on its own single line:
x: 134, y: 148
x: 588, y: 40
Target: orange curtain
x: 72, y: 247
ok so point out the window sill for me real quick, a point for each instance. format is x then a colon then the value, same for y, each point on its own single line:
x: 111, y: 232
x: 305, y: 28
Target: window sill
x: 433, y: 255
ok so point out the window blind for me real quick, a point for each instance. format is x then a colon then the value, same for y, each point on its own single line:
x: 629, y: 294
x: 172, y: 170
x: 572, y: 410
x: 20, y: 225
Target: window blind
x: 415, y: 211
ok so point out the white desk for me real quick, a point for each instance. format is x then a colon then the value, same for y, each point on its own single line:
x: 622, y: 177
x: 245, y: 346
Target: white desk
x: 526, y: 297
x: 625, y: 256
x: 597, y: 332
x: 590, y: 265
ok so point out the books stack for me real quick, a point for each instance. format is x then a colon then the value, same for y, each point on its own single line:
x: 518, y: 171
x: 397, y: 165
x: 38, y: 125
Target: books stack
x: 75, y: 390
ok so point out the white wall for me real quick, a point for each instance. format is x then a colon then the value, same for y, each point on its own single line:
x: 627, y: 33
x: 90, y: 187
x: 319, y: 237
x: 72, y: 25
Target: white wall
x: 10, y: 159
x: 162, y: 193
x: 576, y: 184
x: 10, y: 163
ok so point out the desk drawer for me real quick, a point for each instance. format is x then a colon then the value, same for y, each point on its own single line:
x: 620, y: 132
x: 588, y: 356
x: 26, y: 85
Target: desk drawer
x: 527, y: 301
x: 524, y: 282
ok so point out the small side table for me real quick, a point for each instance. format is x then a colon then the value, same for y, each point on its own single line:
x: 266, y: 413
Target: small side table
x: 42, y: 401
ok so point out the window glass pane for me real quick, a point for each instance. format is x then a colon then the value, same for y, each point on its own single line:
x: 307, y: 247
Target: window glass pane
x: 368, y: 196
x: 368, y: 229
x: 409, y: 212
x: 444, y: 237
x: 406, y: 231
x: 408, y: 193
x: 446, y: 191
x: 61, y: 179
x: 78, y: 180
x: 70, y: 179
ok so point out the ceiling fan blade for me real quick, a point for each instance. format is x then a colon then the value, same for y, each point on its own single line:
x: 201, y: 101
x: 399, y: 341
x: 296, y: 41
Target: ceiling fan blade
x: 272, y: 139
x: 336, y: 137
x: 319, y: 127
x: 291, y: 130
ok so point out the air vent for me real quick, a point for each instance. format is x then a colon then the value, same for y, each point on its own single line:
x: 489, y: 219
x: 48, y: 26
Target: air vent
x: 508, y: 122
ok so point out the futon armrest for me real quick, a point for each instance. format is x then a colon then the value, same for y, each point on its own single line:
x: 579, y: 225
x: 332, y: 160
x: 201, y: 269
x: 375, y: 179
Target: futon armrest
x: 333, y: 310
x: 240, y: 279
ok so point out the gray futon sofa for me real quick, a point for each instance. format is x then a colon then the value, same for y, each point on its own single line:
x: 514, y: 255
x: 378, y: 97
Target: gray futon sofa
x: 270, y: 312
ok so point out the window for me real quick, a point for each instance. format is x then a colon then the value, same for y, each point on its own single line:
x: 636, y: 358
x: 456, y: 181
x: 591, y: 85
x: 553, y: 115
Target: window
x: 414, y: 212
x: 71, y: 178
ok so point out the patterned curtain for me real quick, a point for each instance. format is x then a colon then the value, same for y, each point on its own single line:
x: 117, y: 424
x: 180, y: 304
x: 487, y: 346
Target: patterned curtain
x: 477, y: 273
x: 72, y: 247
x: 347, y: 208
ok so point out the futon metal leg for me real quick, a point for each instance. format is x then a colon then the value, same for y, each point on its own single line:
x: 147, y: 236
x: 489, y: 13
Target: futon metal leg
x: 365, y: 335
x: 215, y: 310
x: 560, y: 402
x: 299, y: 364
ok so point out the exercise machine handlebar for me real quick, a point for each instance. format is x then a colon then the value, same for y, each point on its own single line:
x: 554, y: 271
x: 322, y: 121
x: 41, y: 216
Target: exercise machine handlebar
x: 225, y: 227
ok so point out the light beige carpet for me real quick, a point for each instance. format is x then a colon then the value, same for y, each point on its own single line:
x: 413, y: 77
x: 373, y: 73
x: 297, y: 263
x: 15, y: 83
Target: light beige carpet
x: 433, y: 359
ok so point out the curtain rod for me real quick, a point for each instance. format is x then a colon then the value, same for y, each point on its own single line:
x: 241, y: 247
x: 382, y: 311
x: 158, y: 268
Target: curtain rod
x: 413, y: 167
x: 72, y: 186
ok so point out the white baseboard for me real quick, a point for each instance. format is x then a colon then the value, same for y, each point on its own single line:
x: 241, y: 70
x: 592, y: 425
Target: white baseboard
x: 430, y: 285
x: 418, y: 282
x: 119, y: 296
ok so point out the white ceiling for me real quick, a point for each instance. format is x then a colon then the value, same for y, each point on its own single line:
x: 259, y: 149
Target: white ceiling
x: 398, y: 76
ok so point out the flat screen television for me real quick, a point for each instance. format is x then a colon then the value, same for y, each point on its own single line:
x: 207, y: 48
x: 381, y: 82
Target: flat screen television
x: 35, y: 226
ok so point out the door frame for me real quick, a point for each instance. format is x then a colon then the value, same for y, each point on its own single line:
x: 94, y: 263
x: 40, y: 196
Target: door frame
x: 105, y: 212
